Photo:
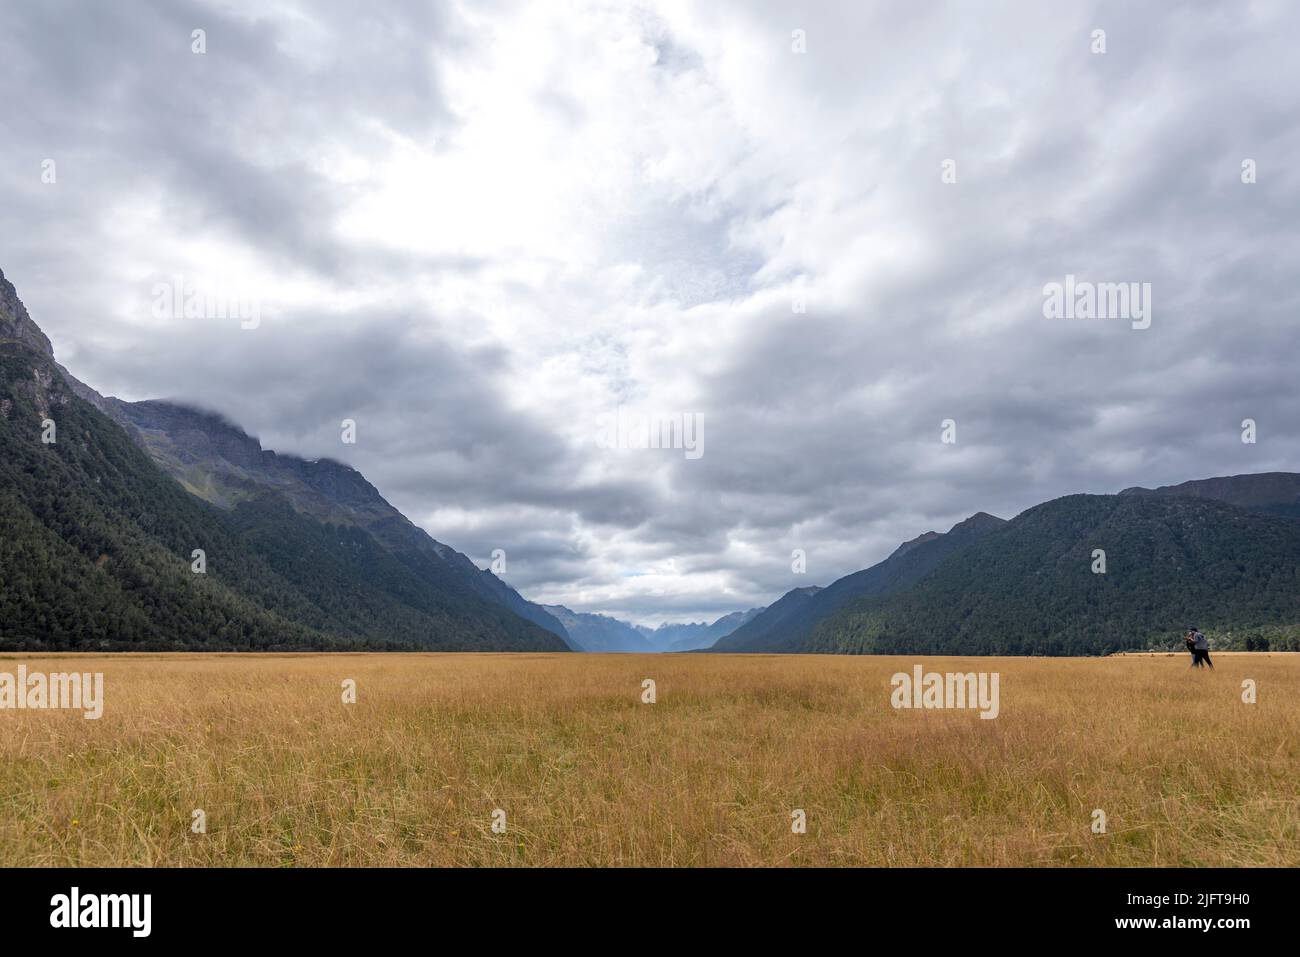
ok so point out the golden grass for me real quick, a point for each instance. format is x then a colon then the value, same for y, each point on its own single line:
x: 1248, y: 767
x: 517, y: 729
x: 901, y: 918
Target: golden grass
x: 708, y: 775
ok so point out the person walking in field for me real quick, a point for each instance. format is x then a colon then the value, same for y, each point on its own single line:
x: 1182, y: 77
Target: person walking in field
x: 1200, y: 649
x: 1189, y: 639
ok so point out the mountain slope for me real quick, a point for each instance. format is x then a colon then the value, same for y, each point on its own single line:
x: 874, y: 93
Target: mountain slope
x: 600, y: 633
x: 787, y: 627
x: 1028, y: 587
x: 767, y: 632
x: 96, y: 543
x: 220, y: 463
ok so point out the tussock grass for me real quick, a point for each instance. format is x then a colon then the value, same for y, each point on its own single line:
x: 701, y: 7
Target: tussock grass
x: 290, y: 776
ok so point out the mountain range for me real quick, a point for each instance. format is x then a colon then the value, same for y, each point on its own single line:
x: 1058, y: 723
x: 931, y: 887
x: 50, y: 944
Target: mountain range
x: 155, y: 526
x: 590, y: 632
x: 1220, y: 554
x: 697, y: 635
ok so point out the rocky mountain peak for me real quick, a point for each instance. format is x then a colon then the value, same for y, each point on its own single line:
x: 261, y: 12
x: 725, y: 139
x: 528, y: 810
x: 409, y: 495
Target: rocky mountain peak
x: 16, y: 325
x: 979, y: 523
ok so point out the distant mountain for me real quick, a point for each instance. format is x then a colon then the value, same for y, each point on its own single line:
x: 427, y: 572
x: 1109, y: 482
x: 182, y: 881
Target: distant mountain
x: 786, y: 626
x: 600, y: 633
x: 696, y: 635
x: 97, y: 541
x: 1028, y: 587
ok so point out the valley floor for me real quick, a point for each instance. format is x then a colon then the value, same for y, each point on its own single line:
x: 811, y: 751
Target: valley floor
x: 287, y: 774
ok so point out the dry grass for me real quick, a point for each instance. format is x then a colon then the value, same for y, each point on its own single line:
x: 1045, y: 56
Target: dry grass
x: 289, y: 776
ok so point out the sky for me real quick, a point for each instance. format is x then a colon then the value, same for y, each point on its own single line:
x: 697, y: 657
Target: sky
x: 501, y: 238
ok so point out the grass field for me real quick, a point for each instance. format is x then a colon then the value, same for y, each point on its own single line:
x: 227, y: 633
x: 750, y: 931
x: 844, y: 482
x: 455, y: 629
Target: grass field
x: 290, y: 776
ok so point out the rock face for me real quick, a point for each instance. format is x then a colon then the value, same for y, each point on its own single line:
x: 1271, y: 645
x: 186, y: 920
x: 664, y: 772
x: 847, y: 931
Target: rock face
x: 219, y: 462
x: 15, y: 324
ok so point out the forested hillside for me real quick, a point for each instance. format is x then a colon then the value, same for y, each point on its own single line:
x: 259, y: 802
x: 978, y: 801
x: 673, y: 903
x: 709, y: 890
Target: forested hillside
x: 1030, y: 588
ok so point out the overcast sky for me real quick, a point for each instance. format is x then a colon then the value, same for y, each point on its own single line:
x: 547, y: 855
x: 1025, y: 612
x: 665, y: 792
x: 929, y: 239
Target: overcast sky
x: 480, y: 229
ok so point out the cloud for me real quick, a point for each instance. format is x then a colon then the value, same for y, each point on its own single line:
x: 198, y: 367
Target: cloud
x: 476, y: 229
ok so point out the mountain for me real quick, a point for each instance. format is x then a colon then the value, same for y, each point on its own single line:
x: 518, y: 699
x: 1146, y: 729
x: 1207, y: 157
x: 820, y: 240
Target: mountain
x: 1028, y: 587
x: 785, y: 626
x: 601, y: 633
x: 96, y: 539
x: 697, y: 635
x: 767, y: 632
x: 219, y: 463
x: 16, y: 326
